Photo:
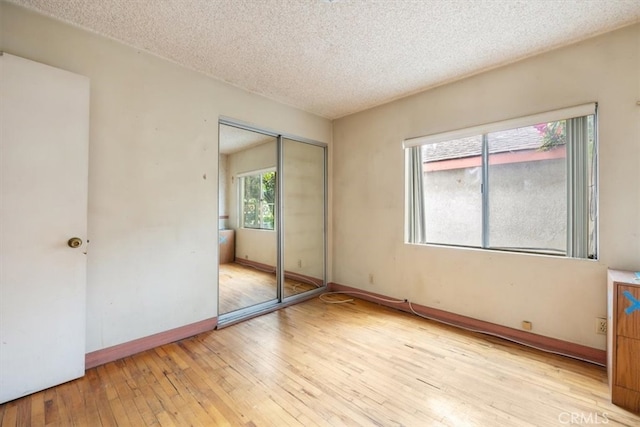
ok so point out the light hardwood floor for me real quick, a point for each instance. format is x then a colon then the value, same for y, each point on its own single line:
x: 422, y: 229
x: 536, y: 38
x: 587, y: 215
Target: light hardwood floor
x: 320, y: 364
x: 243, y: 286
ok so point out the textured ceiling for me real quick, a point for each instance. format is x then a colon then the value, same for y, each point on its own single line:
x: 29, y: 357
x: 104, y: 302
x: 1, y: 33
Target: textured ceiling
x: 233, y: 139
x: 333, y: 58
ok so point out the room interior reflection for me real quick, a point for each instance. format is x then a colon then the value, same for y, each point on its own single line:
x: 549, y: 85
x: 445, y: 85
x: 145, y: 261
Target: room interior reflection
x: 249, y: 221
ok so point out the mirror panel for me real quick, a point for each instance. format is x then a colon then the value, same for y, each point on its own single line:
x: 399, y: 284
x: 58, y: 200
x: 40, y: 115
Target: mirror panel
x: 303, y: 205
x: 247, y: 236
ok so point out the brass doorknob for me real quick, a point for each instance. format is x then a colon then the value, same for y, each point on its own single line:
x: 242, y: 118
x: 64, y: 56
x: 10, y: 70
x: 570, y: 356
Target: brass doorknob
x: 74, y: 242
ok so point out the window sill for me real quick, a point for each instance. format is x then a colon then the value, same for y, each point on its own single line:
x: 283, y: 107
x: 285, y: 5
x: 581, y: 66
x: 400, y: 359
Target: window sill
x: 498, y: 251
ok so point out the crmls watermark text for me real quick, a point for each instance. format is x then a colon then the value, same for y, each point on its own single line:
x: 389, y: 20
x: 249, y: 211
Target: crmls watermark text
x: 583, y: 418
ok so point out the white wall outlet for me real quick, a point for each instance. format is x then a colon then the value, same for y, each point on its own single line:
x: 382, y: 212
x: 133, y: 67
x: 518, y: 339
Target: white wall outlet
x: 601, y: 326
x: 526, y: 325
x: 371, y: 278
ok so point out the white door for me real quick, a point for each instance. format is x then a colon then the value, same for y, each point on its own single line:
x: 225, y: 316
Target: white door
x: 44, y: 131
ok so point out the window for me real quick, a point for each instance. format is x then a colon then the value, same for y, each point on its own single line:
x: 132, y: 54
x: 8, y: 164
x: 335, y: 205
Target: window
x: 524, y: 185
x: 258, y: 190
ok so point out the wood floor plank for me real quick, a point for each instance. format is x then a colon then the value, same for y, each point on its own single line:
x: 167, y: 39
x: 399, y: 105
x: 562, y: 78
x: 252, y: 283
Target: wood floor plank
x: 317, y: 364
x: 243, y: 286
x: 37, y: 409
x: 75, y: 408
x: 24, y: 412
x: 10, y: 414
x: 65, y: 413
x: 50, y: 406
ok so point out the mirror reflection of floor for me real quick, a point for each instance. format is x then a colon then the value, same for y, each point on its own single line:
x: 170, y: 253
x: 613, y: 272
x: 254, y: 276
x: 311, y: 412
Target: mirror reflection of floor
x: 243, y: 286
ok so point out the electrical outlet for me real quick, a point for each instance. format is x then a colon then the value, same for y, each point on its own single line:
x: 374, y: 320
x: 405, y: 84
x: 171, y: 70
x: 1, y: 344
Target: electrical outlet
x: 526, y: 325
x: 299, y: 263
x: 371, y: 278
x: 601, y: 326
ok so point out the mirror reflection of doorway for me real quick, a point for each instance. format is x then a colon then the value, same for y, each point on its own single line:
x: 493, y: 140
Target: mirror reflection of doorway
x: 267, y: 258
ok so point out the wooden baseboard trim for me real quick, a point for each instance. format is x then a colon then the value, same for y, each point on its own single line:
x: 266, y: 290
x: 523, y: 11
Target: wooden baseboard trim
x: 257, y: 265
x: 577, y: 351
x: 287, y: 274
x: 109, y: 354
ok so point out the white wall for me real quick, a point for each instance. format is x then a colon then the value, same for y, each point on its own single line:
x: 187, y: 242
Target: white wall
x: 153, y: 168
x: 560, y: 296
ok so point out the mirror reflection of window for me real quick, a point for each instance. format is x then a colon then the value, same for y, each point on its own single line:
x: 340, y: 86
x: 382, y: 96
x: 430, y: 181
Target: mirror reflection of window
x: 247, y: 193
x: 272, y: 198
x: 258, y: 200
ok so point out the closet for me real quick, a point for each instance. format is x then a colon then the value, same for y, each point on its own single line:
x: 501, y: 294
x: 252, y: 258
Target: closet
x: 273, y: 204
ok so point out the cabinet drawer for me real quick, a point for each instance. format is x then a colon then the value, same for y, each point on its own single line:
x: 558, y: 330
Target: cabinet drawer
x: 627, y: 366
x: 628, y: 312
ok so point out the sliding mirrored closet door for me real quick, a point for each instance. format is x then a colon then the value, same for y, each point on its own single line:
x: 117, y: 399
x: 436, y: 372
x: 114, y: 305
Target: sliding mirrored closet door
x: 303, y: 201
x: 272, y: 230
x: 247, y: 240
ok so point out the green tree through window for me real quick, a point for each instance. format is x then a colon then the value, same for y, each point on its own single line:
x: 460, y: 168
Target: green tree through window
x: 258, y: 200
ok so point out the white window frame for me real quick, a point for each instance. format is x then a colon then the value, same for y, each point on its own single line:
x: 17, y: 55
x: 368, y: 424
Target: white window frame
x: 578, y: 197
x: 241, y: 204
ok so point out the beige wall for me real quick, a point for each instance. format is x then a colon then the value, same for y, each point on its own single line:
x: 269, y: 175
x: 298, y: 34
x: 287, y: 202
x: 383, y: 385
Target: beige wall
x: 223, y: 193
x: 303, y: 199
x: 560, y: 296
x: 153, y: 168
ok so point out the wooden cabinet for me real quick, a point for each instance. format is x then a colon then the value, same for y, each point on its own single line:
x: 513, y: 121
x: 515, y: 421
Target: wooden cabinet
x: 623, y: 339
x: 227, y: 246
